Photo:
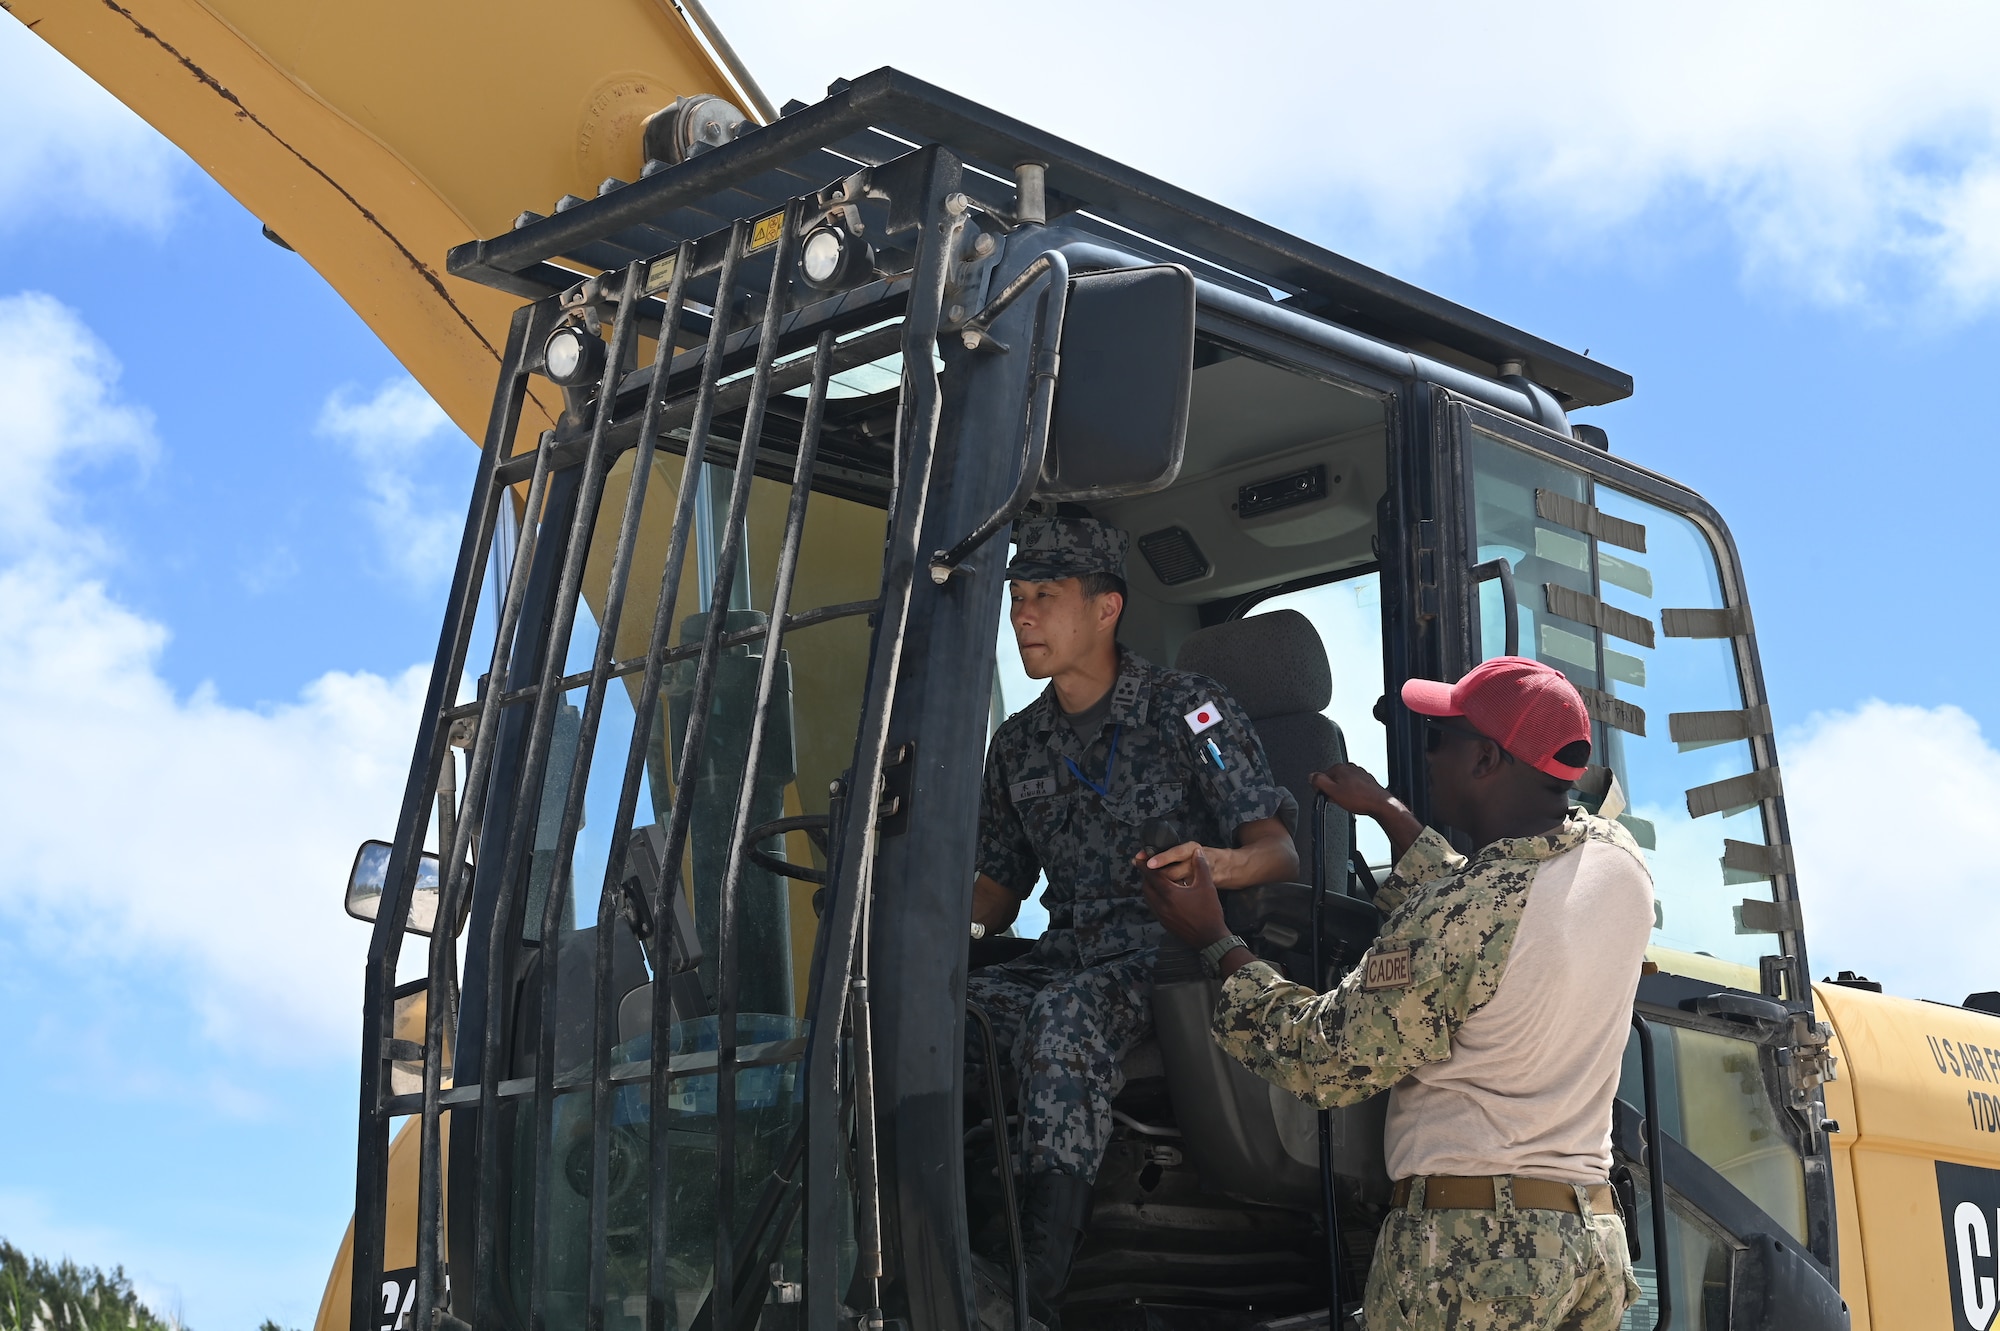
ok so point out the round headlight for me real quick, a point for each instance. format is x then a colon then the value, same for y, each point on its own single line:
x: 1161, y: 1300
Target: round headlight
x: 821, y: 257
x: 572, y: 356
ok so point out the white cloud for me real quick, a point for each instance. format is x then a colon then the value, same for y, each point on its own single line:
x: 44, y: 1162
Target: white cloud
x: 180, y: 833
x: 393, y: 435
x: 1851, y: 150
x: 1894, y: 811
x: 71, y: 148
x: 57, y: 393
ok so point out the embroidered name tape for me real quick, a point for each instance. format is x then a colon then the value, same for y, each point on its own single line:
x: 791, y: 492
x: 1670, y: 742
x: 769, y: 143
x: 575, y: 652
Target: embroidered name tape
x: 1032, y: 790
x: 1204, y: 716
x: 1387, y: 970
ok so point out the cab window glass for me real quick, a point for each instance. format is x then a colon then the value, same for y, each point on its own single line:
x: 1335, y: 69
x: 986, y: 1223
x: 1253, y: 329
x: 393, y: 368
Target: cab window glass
x: 1348, y: 616
x: 1013, y: 690
x: 1590, y: 604
x: 1716, y: 1100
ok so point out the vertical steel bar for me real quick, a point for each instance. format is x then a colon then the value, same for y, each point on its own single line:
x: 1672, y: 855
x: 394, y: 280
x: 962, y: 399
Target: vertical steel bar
x: 767, y: 674
x: 851, y: 877
x: 659, y: 1089
x: 692, y: 744
x: 605, y: 653
x: 385, y: 941
x: 576, y: 558
x: 479, y: 767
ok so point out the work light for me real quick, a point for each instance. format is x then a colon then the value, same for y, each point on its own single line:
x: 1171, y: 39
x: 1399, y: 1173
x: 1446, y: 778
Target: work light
x: 572, y: 356
x: 829, y: 256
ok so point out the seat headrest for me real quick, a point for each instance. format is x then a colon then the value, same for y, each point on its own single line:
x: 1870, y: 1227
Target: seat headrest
x: 1272, y: 663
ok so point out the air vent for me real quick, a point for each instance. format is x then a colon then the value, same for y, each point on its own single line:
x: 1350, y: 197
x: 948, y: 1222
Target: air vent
x: 1299, y: 487
x: 1173, y: 556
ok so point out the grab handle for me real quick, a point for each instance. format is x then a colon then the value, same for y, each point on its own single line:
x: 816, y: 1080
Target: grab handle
x: 1501, y: 569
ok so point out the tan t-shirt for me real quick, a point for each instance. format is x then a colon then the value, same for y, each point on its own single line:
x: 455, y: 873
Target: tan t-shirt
x: 1494, y: 1007
x: 1528, y: 1086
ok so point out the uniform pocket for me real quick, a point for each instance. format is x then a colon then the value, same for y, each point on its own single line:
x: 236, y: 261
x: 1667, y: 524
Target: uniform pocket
x: 1534, y: 1279
x: 1159, y: 799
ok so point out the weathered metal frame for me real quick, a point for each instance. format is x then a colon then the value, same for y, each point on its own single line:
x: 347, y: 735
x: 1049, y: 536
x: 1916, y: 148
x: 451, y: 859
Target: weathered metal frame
x: 579, y: 464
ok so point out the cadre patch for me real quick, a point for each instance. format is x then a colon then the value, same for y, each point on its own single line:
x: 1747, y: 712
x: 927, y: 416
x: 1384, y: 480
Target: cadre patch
x: 1387, y: 970
x: 1032, y: 790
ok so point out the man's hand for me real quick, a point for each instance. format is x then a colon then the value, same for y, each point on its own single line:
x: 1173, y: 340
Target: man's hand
x: 1264, y: 853
x: 1181, y: 891
x: 1351, y: 787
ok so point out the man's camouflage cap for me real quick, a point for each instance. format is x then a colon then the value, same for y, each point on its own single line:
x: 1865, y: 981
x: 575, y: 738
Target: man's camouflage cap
x: 1050, y: 548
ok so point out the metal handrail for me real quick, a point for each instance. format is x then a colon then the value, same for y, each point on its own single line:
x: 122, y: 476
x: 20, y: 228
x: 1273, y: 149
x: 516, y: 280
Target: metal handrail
x: 1656, y: 1176
x: 1046, y: 358
x: 1328, y: 1201
x: 996, y: 1097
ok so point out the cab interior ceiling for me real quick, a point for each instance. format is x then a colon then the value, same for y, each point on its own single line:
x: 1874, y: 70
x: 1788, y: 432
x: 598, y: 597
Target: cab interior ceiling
x: 1314, y: 456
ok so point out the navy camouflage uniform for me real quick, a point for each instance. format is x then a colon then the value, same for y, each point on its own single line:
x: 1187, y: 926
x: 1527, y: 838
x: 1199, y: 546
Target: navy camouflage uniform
x: 1453, y: 920
x: 1068, y: 1012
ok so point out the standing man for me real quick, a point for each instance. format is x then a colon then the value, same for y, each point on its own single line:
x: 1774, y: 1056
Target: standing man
x: 1071, y: 780
x: 1494, y: 1009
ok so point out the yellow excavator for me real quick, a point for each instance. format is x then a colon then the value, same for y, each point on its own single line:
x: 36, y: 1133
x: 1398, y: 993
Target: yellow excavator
x: 758, y: 396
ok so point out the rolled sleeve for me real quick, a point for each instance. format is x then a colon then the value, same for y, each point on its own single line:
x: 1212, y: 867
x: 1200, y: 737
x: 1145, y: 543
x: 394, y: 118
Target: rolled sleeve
x: 1337, y: 1048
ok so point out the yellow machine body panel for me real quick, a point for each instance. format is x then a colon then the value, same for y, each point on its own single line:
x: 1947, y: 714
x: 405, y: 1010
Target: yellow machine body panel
x: 399, y: 1252
x: 1917, y: 1160
x: 373, y: 135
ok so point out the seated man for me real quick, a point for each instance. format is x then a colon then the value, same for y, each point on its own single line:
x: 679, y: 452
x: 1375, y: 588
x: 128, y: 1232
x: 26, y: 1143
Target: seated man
x: 1071, y: 779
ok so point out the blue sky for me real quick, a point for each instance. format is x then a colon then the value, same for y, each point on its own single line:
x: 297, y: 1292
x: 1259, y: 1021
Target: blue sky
x: 223, y: 539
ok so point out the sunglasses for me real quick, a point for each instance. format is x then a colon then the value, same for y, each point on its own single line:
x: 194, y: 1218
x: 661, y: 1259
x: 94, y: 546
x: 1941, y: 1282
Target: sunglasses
x: 1437, y: 727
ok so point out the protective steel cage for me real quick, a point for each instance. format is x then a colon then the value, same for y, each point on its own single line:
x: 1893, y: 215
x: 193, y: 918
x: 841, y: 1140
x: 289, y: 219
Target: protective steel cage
x: 694, y: 288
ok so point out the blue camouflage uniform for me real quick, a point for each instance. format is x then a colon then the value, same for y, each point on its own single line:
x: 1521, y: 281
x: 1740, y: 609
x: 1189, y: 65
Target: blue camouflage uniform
x: 1172, y: 745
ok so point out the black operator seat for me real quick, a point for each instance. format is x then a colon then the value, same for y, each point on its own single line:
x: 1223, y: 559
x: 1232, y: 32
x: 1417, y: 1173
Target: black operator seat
x: 1275, y: 666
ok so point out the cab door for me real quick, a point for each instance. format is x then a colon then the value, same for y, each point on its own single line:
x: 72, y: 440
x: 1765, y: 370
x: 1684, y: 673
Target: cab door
x: 1630, y: 585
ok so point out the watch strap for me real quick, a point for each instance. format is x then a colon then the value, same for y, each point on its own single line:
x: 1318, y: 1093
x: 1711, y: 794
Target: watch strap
x: 1212, y: 955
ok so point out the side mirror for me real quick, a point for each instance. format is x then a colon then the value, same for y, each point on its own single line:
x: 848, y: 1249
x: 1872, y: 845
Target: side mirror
x: 1112, y: 366
x: 1120, y: 421
x: 366, y: 879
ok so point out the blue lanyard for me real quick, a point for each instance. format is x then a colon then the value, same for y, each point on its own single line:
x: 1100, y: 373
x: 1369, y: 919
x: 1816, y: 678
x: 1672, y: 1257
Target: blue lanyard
x: 1110, y: 766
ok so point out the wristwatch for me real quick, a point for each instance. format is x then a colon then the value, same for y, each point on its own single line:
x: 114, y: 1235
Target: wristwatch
x: 1212, y: 955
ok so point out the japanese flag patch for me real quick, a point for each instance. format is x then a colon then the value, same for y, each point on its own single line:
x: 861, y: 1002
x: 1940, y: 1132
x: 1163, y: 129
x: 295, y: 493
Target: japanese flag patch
x: 1204, y: 716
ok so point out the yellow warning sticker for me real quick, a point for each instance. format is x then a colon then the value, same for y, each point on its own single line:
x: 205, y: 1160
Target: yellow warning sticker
x: 764, y: 232
x: 660, y: 274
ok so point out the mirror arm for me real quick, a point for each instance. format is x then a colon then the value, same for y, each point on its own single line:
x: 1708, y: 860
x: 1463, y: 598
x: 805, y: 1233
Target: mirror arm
x: 976, y: 334
x: 1041, y: 399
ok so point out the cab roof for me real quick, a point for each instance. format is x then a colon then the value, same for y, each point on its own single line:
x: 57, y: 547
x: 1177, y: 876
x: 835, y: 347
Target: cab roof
x: 886, y: 114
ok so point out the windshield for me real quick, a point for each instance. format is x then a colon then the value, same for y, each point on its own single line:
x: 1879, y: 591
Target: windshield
x: 1600, y: 605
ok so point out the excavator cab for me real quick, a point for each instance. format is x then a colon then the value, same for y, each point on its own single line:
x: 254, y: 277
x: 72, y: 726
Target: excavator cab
x: 697, y: 786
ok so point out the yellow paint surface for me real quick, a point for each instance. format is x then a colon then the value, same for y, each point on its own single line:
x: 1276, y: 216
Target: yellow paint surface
x: 1906, y: 1071
x: 373, y: 135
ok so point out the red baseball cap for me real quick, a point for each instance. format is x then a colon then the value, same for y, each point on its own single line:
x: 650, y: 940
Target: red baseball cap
x: 1527, y: 708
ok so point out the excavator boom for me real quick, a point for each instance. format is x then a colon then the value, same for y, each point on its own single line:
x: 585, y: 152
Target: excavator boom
x: 372, y: 136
